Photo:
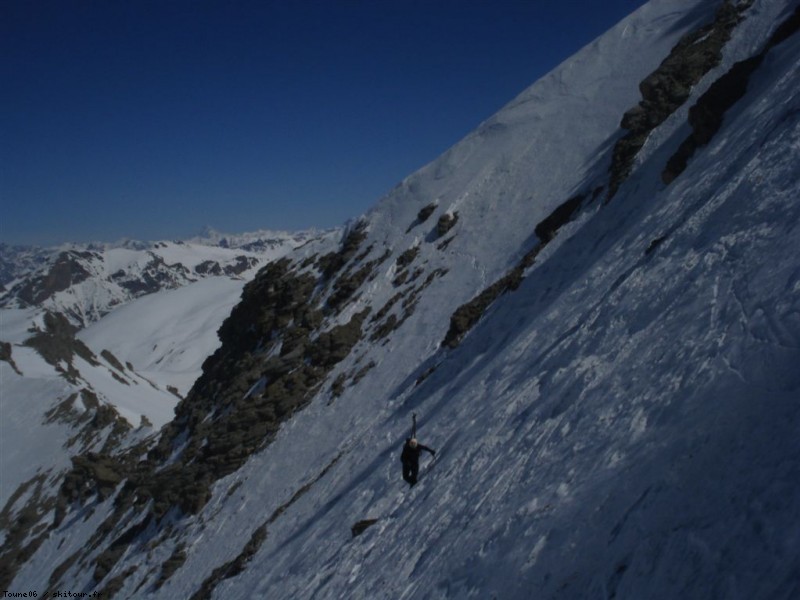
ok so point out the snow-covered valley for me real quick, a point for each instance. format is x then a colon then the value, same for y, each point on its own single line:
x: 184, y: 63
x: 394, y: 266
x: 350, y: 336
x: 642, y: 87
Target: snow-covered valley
x: 603, y: 348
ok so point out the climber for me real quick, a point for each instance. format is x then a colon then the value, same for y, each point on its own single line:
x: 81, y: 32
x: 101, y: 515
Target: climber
x: 410, y: 459
x: 411, y: 452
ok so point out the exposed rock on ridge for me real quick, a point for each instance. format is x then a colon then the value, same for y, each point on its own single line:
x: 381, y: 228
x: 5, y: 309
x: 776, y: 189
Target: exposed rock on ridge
x: 705, y: 116
x: 669, y: 86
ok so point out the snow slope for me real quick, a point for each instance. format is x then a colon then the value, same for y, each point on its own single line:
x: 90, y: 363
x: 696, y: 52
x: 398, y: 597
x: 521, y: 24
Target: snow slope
x: 621, y: 424
x: 166, y: 336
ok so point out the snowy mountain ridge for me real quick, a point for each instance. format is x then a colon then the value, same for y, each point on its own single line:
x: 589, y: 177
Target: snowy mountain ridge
x: 592, y: 304
x: 86, y: 281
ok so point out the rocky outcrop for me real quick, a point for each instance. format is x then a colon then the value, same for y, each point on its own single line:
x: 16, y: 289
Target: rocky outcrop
x: 66, y: 271
x: 445, y: 223
x: 423, y: 215
x: 361, y: 526
x: 58, y: 345
x: 242, y: 264
x: 112, y: 360
x: 563, y: 214
x: 213, y: 268
x: 332, y: 263
x: 93, y: 420
x: 402, y: 263
x: 5, y: 356
x: 24, y: 526
x: 426, y: 212
x: 407, y: 257
x: 670, y: 85
x: 705, y: 117
x: 208, y: 267
x: 92, y: 475
x: 346, y: 285
x: 156, y: 276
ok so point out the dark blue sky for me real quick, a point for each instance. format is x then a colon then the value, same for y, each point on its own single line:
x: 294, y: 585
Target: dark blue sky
x: 151, y: 119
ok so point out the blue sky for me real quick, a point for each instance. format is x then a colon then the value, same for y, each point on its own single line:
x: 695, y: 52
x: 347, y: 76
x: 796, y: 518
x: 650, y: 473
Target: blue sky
x: 152, y: 119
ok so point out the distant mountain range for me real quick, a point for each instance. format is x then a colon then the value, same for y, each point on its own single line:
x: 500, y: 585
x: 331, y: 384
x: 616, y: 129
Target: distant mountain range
x: 85, y: 281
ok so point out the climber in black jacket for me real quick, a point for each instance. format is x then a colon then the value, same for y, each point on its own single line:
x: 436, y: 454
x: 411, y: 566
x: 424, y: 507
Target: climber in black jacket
x: 410, y: 459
